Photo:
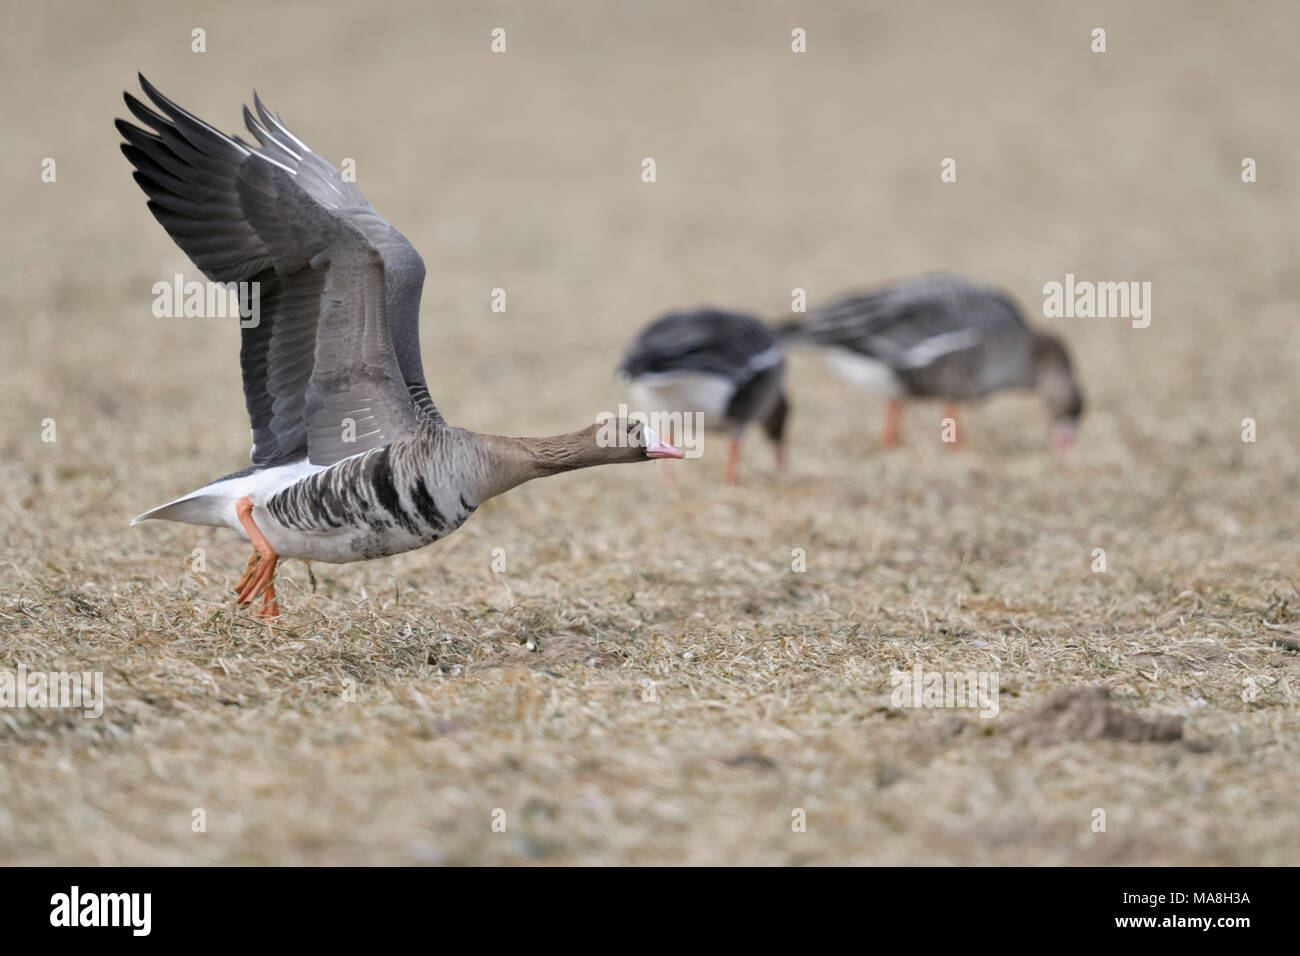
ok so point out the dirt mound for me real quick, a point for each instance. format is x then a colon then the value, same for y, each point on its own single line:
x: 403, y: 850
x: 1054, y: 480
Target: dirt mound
x: 1087, y: 713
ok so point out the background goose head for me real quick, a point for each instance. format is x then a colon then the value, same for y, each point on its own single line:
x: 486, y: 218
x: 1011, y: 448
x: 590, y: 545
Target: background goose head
x: 774, y: 427
x: 1055, y: 384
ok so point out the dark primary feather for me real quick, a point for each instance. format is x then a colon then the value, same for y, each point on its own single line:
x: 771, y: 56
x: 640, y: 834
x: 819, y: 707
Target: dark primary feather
x: 338, y: 336
x: 942, y: 335
x: 705, y: 340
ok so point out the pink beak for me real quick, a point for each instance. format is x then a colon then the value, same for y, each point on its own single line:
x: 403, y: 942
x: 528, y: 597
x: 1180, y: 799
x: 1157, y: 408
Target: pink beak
x: 656, y: 447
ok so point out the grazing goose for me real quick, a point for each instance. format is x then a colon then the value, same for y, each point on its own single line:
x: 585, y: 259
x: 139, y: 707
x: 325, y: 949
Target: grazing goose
x: 725, y: 366
x: 350, y: 459
x: 942, y: 337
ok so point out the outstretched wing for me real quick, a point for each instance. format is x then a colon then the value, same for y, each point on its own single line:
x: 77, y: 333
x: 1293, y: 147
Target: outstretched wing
x: 332, y: 366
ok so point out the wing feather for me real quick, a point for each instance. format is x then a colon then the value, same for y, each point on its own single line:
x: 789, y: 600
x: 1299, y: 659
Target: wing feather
x: 333, y: 366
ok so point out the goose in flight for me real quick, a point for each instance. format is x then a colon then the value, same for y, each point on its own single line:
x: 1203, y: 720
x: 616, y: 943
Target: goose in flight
x: 351, y: 459
x: 945, y: 337
x: 724, y: 366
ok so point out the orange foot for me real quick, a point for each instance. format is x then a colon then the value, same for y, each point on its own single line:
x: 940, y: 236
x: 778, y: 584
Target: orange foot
x: 270, y: 606
x: 243, y: 582
x: 260, y: 573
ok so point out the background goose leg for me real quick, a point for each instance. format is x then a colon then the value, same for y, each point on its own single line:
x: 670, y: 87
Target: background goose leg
x: 893, y: 423
x: 733, y: 461
x: 950, y: 411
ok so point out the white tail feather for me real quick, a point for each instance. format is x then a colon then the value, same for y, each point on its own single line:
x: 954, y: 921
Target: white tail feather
x: 192, y: 509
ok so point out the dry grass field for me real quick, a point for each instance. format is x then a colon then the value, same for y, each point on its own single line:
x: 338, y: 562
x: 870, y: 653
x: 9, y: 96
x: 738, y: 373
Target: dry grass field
x: 650, y: 681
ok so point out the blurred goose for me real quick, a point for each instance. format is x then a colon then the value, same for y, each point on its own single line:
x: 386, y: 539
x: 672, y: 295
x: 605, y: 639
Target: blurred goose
x: 942, y: 337
x: 725, y: 366
x: 350, y: 459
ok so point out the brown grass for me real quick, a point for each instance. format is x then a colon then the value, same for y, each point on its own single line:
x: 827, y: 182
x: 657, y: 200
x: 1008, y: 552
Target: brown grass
x: 390, y: 711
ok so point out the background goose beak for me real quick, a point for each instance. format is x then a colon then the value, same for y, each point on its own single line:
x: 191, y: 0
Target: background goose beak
x: 1063, y: 434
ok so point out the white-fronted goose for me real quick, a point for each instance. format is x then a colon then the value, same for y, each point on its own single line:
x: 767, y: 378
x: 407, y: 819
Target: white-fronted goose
x: 725, y: 366
x: 942, y: 337
x: 350, y: 459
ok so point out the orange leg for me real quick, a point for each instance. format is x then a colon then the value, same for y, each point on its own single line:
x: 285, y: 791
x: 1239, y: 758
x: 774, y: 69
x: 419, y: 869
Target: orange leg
x: 733, y: 461
x: 262, y: 571
x: 778, y: 449
x: 950, y: 411
x: 893, y: 422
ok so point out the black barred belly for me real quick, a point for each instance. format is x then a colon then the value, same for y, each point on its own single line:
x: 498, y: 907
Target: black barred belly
x: 378, y: 504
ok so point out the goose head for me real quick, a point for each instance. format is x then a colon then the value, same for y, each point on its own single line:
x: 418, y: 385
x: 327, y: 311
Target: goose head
x: 609, y: 441
x: 774, y: 427
x: 627, y: 439
x: 1055, y: 384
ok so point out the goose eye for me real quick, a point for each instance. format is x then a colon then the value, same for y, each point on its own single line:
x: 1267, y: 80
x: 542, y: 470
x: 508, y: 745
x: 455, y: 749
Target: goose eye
x: 631, y: 428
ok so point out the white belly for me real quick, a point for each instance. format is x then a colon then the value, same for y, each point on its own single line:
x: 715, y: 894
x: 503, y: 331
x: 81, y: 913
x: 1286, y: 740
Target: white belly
x: 685, y: 393
x: 335, y: 547
x: 865, y: 373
